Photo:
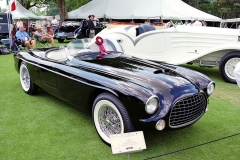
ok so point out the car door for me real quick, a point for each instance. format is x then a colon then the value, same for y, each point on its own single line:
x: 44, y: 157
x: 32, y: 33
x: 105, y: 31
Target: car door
x: 48, y: 76
x: 151, y: 45
x: 177, y: 41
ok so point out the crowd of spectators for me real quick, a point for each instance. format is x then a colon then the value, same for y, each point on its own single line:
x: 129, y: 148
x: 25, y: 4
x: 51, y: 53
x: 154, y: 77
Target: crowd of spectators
x: 195, y: 22
x: 22, y: 32
x: 46, y: 28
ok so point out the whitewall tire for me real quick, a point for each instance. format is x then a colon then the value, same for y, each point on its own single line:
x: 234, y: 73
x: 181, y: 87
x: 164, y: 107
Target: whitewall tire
x: 27, y: 85
x: 110, y: 117
x: 227, y: 66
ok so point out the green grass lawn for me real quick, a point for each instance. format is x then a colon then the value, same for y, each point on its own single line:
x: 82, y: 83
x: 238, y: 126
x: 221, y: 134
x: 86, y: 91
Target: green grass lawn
x: 44, y: 127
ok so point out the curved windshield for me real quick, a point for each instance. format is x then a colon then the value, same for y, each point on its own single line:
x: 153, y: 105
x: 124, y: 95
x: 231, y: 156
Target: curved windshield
x: 86, y: 49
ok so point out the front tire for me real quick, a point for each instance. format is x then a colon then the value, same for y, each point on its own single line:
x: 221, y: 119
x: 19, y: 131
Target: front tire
x: 227, y: 66
x: 27, y: 85
x: 110, y: 117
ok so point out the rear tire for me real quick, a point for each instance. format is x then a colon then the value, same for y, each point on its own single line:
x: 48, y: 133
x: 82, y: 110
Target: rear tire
x: 27, y: 85
x: 60, y: 40
x: 80, y: 36
x: 110, y: 117
x: 227, y: 66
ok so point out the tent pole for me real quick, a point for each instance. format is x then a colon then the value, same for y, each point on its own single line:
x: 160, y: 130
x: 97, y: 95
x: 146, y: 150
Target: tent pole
x: 9, y: 27
x: 28, y: 27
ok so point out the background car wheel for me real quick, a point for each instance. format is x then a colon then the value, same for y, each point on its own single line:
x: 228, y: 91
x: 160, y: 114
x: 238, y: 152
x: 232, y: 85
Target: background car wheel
x: 227, y: 66
x: 28, y: 86
x: 80, y: 36
x: 110, y: 117
x: 60, y: 40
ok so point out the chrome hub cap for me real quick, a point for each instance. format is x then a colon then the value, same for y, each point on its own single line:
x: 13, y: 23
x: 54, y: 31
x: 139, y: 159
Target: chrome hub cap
x: 109, y: 121
x: 25, y: 79
x: 230, y: 66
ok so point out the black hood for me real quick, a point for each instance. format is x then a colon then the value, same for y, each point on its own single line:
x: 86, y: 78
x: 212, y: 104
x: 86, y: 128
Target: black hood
x: 135, y: 70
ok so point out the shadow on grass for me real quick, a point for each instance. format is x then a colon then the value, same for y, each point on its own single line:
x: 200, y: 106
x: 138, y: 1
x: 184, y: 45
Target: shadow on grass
x: 61, y: 104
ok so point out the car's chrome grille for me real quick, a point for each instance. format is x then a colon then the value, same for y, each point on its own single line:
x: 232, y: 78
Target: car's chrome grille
x: 187, y: 110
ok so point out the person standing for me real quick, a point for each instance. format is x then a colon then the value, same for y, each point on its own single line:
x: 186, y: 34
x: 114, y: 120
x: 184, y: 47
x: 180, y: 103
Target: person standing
x: 54, y: 24
x: 147, y: 21
x: 91, y: 27
x: 19, y: 24
x: 44, y: 24
x: 25, y: 25
x: 190, y: 23
x: 197, y: 23
x: 186, y: 23
x: 204, y: 23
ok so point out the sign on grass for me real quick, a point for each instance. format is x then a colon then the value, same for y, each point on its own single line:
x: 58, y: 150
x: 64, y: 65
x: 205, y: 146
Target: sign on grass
x: 127, y: 142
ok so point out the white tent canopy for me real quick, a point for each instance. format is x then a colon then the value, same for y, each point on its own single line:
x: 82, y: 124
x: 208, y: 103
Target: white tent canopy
x: 94, y: 7
x: 23, y: 13
x: 166, y: 9
x: 141, y: 9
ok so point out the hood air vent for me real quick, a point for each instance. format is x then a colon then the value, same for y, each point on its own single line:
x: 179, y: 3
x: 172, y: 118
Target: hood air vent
x: 162, y: 71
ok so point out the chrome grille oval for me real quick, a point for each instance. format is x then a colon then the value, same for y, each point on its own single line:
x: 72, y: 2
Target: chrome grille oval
x: 187, y: 110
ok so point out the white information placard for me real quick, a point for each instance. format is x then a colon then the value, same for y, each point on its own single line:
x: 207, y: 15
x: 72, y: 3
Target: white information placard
x: 127, y: 142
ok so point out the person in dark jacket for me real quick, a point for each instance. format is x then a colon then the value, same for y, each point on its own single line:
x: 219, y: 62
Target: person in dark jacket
x: 91, y: 27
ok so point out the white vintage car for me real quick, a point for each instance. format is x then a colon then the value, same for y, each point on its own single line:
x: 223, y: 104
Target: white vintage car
x: 180, y: 44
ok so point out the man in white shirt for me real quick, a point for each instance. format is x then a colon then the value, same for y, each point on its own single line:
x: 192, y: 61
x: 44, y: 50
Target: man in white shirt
x: 54, y: 24
x: 197, y: 23
x: 44, y: 24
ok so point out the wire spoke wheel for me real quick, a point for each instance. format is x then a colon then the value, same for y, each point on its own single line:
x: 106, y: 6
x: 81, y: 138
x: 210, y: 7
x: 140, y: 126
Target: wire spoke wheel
x: 24, y: 78
x: 110, y: 117
x: 27, y: 85
x: 109, y: 121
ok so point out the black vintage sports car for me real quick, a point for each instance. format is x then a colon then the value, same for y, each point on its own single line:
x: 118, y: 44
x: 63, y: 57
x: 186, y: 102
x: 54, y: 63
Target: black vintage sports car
x: 123, y: 93
x: 75, y: 29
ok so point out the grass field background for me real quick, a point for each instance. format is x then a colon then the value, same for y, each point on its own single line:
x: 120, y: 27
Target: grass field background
x: 44, y: 127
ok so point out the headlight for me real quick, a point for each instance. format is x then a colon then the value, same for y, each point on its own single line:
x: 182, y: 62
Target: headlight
x: 152, y: 104
x: 210, y: 88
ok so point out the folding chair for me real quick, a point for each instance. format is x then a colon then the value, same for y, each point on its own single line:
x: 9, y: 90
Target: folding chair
x: 40, y: 44
x: 18, y: 44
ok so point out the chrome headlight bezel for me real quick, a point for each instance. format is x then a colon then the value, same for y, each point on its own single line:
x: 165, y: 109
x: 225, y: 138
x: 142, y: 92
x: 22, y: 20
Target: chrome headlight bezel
x: 152, y: 104
x: 210, y: 88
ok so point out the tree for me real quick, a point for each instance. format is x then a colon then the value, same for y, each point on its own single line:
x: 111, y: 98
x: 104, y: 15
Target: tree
x: 62, y: 10
x: 2, y: 10
x: 54, y: 7
x: 221, y: 8
x: 33, y: 3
